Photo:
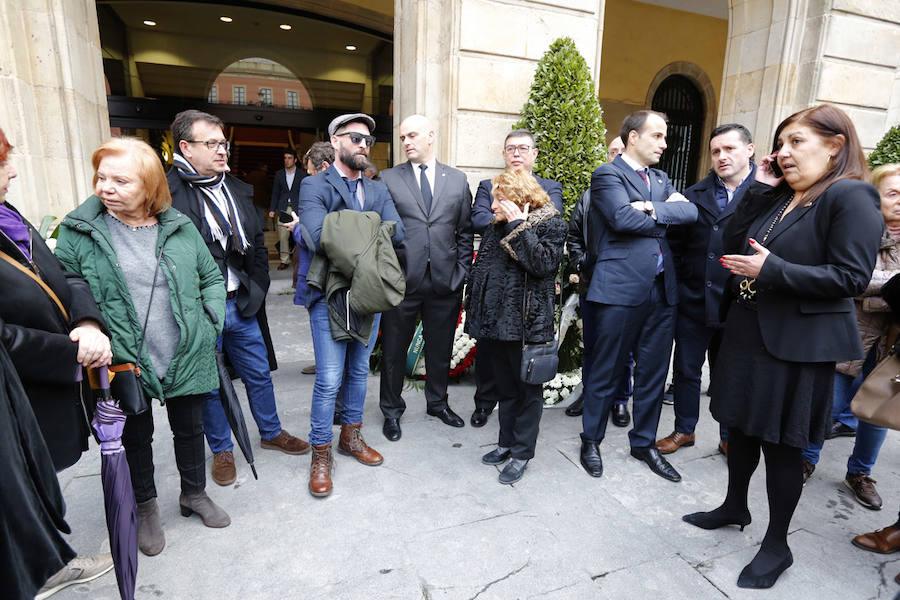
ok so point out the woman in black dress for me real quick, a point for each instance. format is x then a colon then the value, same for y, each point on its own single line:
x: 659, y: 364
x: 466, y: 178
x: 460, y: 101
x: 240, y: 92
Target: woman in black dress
x: 800, y: 246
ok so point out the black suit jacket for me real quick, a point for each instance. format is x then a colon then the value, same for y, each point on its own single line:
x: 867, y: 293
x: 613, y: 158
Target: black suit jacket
x: 284, y: 196
x: 482, y: 215
x: 821, y: 257
x: 625, y: 243
x: 698, y: 247
x: 441, y: 238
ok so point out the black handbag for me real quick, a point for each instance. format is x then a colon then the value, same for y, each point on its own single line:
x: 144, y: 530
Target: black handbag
x: 539, y: 361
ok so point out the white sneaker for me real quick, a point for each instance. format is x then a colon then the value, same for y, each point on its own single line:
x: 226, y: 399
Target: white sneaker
x: 79, y: 570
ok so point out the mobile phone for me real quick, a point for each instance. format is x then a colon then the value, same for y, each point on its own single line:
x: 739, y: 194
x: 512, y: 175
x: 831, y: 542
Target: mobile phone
x: 285, y: 217
x: 774, y: 165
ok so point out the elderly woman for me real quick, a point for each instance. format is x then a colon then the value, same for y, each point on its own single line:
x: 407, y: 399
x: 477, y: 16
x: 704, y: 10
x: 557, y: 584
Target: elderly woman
x: 146, y: 262
x: 801, y: 245
x: 516, y: 266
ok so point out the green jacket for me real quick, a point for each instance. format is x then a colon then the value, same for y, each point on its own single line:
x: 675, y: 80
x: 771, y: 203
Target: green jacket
x: 85, y: 247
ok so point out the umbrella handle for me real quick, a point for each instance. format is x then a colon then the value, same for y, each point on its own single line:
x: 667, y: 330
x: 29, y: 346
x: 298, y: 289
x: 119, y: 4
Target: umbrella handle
x: 103, y: 376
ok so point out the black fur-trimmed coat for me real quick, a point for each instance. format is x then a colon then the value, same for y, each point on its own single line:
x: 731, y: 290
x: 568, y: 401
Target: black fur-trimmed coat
x: 497, y: 280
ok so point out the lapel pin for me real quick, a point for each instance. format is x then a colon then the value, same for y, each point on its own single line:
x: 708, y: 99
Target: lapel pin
x: 659, y: 181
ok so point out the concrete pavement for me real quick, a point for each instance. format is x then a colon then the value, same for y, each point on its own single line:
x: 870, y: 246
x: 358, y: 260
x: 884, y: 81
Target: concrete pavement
x: 433, y: 523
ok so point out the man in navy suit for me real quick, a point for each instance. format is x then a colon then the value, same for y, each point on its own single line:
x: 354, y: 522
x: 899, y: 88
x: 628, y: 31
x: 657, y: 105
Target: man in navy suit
x: 341, y: 366
x: 286, y: 199
x: 519, y: 152
x: 701, y: 279
x: 630, y: 303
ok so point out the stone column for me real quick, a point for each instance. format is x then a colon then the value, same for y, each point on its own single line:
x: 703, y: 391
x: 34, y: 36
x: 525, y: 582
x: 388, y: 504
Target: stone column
x: 52, y: 101
x: 468, y: 64
x: 787, y: 55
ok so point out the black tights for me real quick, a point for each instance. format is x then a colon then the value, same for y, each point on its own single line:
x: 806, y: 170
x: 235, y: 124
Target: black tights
x: 784, y: 483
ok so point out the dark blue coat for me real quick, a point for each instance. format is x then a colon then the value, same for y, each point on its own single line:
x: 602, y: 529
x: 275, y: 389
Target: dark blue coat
x: 698, y: 247
x: 625, y: 242
x: 482, y: 215
x: 284, y: 196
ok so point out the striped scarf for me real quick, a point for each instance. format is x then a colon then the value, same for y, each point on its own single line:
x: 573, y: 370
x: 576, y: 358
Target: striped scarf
x: 216, y: 225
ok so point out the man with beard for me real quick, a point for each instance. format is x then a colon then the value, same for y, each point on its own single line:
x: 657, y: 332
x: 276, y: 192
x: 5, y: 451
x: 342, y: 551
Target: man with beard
x: 341, y: 366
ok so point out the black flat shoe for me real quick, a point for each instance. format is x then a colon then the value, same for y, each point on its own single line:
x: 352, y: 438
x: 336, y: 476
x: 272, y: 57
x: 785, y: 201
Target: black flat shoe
x: 620, y: 416
x: 495, y: 457
x: 766, y: 579
x: 717, y: 518
x: 590, y: 458
x: 513, y: 471
x: 656, y: 462
x: 479, y: 417
x: 838, y: 429
x: 391, y: 429
x: 576, y: 408
x: 447, y: 416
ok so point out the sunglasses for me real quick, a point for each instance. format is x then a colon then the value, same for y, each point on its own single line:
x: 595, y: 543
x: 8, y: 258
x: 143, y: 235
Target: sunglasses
x: 356, y: 138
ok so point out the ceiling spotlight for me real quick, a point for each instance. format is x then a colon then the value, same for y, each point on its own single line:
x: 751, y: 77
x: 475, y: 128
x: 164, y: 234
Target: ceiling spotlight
x: 225, y: 19
x: 285, y: 26
x: 150, y: 23
x: 350, y: 47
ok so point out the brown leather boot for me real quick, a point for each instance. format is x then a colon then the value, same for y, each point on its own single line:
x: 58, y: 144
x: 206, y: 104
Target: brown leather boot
x: 223, y: 471
x: 353, y: 443
x: 320, y: 469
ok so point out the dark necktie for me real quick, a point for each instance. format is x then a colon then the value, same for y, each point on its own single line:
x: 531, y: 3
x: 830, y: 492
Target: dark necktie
x: 352, y: 185
x: 645, y: 177
x: 426, y: 188
x: 659, y: 257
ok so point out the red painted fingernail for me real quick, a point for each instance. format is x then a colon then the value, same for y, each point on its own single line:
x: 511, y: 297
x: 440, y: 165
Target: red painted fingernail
x: 752, y: 241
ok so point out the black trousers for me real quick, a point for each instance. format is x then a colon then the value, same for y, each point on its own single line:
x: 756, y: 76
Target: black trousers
x: 186, y: 420
x: 521, y: 404
x: 485, y: 386
x: 440, y: 314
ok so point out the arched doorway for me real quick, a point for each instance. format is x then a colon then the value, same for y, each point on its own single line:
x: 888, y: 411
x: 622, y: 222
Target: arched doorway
x: 679, y: 98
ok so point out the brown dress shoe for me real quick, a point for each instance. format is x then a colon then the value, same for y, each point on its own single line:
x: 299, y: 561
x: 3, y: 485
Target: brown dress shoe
x: 353, y: 443
x: 287, y: 443
x: 882, y: 541
x: 223, y: 468
x: 320, y: 468
x: 723, y: 448
x: 863, y: 487
x: 674, y: 441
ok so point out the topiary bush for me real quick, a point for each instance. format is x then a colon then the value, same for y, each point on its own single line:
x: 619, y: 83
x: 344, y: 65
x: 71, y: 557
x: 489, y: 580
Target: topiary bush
x: 887, y: 150
x: 563, y: 113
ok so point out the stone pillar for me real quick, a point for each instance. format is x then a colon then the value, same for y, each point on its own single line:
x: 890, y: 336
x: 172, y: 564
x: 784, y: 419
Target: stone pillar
x: 52, y: 101
x: 787, y: 55
x: 468, y: 64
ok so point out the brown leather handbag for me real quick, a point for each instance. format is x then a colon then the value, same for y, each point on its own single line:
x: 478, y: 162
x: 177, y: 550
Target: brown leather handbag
x: 878, y: 399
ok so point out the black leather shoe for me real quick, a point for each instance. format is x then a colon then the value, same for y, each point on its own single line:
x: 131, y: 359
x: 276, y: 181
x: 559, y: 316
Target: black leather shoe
x: 495, y: 457
x: 620, y: 416
x: 656, y: 462
x: 513, y: 471
x: 479, y: 417
x: 576, y: 408
x: 590, y: 458
x: 391, y: 429
x: 838, y: 429
x: 337, y: 418
x: 448, y: 417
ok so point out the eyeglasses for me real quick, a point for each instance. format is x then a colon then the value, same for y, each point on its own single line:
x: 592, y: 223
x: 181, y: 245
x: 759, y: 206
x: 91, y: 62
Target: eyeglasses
x: 356, y: 138
x: 213, y: 145
x: 522, y: 148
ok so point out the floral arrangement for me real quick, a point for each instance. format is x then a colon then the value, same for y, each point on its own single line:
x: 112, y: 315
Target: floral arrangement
x: 462, y: 356
x: 558, y: 389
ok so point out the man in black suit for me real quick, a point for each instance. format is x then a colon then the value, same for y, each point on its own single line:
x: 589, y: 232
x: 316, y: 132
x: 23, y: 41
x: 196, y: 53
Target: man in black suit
x: 435, y: 204
x: 221, y: 208
x: 701, y: 279
x: 285, y: 199
x: 519, y: 152
x: 630, y: 303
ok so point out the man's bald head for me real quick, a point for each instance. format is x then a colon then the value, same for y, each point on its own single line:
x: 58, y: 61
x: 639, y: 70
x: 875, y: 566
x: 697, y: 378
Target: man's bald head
x: 417, y: 137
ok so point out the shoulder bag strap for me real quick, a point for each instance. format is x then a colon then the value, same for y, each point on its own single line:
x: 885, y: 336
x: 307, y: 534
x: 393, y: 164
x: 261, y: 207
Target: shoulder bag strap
x: 38, y: 281
x: 137, y: 360
x: 525, y: 306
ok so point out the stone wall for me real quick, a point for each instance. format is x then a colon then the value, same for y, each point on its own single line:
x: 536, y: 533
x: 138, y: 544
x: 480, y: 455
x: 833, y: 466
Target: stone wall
x: 52, y: 101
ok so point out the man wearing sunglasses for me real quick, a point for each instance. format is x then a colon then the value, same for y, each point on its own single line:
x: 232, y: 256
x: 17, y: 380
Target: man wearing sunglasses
x: 221, y: 207
x: 341, y: 366
x: 519, y: 153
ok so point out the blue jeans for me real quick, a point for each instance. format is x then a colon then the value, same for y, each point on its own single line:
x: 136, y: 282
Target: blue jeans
x: 869, y: 438
x: 341, y: 367
x: 243, y: 342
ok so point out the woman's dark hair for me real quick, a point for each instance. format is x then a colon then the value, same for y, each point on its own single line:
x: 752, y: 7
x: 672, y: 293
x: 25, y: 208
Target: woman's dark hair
x: 832, y: 124
x: 5, y: 147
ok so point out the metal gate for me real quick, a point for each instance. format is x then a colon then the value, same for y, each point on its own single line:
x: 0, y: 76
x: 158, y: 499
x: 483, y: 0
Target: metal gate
x: 679, y: 98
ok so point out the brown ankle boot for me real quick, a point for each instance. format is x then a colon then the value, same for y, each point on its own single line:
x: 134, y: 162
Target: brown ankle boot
x: 353, y: 443
x: 320, y: 468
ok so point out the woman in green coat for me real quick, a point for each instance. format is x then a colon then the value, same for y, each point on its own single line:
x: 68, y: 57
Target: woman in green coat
x: 147, y: 264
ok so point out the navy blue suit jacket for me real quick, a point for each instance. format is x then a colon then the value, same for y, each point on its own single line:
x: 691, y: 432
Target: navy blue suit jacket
x: 626, y: 242
x: 698, y: 247
x: 482, y: 215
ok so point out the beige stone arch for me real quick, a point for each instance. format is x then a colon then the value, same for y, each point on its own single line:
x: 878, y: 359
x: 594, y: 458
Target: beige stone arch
x: 710, y: 107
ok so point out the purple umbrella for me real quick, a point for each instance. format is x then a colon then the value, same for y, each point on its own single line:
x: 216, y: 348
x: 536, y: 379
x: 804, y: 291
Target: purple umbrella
x: 118, y: 496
